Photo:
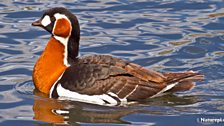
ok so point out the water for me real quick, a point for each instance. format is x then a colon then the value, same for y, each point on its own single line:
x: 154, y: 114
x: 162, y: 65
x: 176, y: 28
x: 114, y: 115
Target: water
x: 165, y: 36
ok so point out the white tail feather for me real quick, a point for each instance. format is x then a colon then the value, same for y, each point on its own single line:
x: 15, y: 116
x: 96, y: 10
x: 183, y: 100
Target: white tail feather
x: 168, y: 87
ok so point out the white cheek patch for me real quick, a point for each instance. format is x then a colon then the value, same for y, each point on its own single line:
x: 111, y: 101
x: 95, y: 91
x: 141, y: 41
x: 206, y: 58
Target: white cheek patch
x: 46, y: 21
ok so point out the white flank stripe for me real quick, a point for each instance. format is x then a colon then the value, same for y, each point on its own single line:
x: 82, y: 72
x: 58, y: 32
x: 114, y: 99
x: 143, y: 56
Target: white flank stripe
x: 164, y: 89
x: 123, y: 100
x: 94, y: 99
x: 62, y: 111
x: 108, y: 98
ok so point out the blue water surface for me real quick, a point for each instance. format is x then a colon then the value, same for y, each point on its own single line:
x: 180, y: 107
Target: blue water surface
x: 163, y: 35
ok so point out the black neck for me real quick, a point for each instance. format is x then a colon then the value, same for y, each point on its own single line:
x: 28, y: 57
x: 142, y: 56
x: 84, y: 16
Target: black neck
x: 73, y: 42
x: 73, y: 49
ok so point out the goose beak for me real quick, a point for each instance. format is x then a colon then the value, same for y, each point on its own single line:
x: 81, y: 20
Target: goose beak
x: 37, y: 23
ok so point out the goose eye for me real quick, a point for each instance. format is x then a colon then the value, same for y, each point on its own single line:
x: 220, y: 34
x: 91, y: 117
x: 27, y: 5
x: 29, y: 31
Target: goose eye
x: 53, y: 19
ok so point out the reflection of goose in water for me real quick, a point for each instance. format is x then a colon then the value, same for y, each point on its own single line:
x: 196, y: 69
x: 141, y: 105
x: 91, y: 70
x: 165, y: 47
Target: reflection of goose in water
x: 71, y: 112
x: 63, y: 112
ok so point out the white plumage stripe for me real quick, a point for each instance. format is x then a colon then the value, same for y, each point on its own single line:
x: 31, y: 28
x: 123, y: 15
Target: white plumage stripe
x: 132, y: 91
x: 52, y: 88
x: 103, y: 99
x: 63, y: 40
x: 168, y: 87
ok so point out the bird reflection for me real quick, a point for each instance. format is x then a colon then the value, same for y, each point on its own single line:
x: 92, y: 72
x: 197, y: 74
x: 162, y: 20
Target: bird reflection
x: 61, y: 112
x: 70, y: 112
x: 43, y: 109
